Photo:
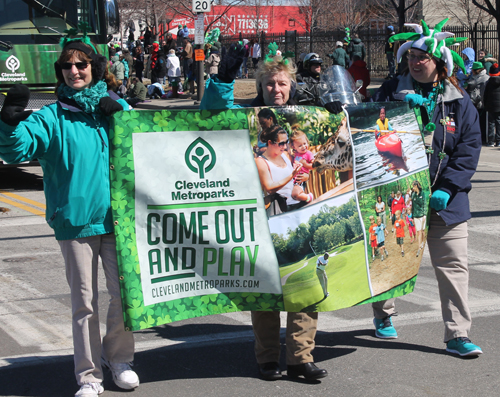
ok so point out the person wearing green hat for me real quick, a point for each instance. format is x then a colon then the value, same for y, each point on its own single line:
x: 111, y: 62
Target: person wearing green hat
x: 70, y: 137
x: 450, y: 126
x: 185, y: 32
x: 475, y: 89
x: 180, y: 35
x: 486, y: 59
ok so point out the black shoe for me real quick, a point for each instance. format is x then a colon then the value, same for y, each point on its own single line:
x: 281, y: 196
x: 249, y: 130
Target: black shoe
x: 270, y: 371
x: 307, y: 370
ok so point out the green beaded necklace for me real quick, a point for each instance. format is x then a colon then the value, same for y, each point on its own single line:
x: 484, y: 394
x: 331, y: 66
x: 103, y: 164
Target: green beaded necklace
x: 437, y: 89
x: 430, y: 127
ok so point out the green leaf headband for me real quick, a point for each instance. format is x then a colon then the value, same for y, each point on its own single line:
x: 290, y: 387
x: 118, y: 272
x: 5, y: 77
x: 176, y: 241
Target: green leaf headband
x: 73, y: 32
x: 433, y: 41
x: 275, y: 52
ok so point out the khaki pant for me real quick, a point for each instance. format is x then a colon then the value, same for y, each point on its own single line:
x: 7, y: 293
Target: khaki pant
x: 448, y: 251
x: 300, y: 333
x: 323, y: 280
x: 81, y: 258
x: 382, y: 309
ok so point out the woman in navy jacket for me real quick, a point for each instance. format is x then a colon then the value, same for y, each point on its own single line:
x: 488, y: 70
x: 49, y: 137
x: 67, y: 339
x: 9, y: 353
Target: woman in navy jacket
x: 453, y: 139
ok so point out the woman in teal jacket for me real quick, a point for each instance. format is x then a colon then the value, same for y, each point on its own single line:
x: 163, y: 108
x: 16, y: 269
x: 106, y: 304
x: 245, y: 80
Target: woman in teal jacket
x: 70, y: 139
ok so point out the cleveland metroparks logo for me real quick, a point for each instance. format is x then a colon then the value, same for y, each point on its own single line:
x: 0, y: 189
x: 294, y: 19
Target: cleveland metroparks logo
x: 12, y: 63
x: 200, y: 157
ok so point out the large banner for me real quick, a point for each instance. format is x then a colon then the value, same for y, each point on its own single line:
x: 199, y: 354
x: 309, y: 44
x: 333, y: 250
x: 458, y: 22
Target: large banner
x: 247, y: 20
x: 196, y: 234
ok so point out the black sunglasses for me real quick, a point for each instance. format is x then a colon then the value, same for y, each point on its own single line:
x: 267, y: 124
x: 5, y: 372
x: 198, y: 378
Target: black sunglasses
x: 79, y: 65
x: 281, y: 143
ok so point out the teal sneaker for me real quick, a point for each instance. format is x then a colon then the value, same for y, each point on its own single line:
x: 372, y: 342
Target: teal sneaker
x: 384, y: 328
x: 463, y: 347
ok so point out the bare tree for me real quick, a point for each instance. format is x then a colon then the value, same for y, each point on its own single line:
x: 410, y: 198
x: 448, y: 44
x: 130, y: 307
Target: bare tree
x: 349, y: 13
x: 396, y: 10
x: 494, y: 11
x: 149, y: 11
x: 184, y: 8
x: 462, y: 12
x: 257, y: 20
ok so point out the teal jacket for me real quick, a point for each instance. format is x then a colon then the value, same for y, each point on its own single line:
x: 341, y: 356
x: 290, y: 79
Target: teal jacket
x: 218, y: 95
x: 73, y: 150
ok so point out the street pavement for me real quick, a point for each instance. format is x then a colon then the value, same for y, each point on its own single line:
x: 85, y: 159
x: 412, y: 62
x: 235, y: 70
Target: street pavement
x: 213, y: 356
x: 188, y: 101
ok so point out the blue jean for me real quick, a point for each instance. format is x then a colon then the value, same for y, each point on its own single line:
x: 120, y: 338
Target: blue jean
x: 187, y: 66
x: 243, y: 68
x: 391, y: 64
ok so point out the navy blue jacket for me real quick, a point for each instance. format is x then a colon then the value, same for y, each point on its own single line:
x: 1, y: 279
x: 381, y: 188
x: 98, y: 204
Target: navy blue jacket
x: 463, y: 145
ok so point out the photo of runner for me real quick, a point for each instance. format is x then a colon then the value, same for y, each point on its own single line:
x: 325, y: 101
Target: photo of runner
x: 392, y: 253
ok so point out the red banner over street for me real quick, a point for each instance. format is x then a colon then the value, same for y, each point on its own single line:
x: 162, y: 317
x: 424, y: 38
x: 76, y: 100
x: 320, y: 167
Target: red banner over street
x: 247, y: 20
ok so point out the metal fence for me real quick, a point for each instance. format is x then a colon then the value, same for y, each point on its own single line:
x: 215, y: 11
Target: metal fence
x: 323, y: 43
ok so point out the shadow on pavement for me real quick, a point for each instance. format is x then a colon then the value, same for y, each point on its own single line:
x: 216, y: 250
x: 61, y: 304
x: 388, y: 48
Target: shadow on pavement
x: 232, y: 359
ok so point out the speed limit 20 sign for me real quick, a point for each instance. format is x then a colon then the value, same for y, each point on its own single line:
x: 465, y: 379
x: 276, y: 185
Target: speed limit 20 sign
x: 201, y: 5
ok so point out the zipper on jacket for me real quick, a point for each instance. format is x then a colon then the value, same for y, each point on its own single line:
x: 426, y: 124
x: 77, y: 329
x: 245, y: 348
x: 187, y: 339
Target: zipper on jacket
x: 51, y: 219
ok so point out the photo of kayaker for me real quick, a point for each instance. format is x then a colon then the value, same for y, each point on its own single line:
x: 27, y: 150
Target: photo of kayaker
x: 387, y: 142
x: 383, y: 125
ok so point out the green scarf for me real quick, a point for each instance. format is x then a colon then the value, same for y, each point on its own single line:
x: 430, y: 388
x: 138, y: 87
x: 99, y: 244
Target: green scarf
x: 87, y: 99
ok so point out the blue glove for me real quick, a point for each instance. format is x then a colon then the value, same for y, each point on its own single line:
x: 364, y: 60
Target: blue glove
x: 415, y: 100
x: 439, y: 200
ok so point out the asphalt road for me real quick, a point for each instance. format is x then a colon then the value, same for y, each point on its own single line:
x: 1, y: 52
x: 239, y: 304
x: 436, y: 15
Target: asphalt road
x: 213, y: 356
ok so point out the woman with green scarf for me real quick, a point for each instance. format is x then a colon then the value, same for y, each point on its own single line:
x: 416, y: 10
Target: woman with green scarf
x: 70, y: 139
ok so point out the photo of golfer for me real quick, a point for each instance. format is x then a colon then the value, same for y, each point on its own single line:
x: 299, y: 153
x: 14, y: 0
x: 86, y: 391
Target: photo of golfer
x: 321, y: 264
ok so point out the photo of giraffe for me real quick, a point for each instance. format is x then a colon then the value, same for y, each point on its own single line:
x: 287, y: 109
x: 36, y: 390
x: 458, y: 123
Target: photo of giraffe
x: 285, y: 138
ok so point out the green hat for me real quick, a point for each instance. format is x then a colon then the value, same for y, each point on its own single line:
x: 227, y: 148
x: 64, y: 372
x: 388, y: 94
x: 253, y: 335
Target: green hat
x: 212, y: 36
x: 477, y: 66
x: 180, y: 26
x: 432, y: 41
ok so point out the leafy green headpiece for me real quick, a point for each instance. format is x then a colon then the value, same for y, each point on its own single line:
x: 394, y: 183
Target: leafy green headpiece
x: 433, y: 41
x: 275, y: 54
x: 72, y: 36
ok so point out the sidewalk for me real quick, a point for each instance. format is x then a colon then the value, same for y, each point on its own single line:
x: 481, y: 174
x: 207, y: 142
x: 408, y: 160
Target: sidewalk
x: 188, y: 101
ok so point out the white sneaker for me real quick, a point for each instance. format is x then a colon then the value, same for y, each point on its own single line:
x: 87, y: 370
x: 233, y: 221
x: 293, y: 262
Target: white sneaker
x: 90, y: 390
x: 123, y: 376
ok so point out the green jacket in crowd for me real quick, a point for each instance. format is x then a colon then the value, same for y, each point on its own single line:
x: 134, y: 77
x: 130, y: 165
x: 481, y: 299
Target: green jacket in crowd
x: 340, y: 57
x: 356, y: 47
x: 138, y: 90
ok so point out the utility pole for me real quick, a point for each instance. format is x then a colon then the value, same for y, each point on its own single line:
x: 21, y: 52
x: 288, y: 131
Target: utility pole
x: 199, y: 8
